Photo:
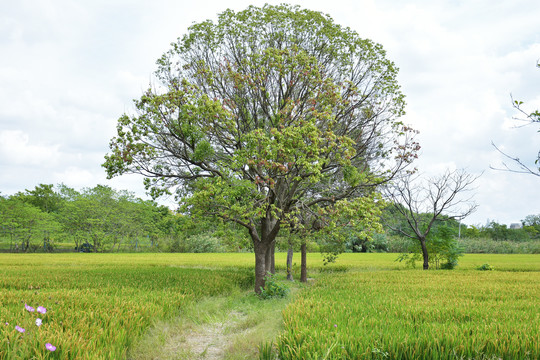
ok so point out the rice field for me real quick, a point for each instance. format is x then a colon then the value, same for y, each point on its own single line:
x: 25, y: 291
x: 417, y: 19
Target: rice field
x: 97, y: 305
x: 412, y: 314
x: 365, y: 306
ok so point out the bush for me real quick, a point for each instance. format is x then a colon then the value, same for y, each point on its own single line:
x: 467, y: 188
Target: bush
x: 175, y: 246
x: 449, y: 265
x: 485, y: 267
x: 201, y: 243
x: 379, y: 243
x: 443, y: 250
x: 272, y: 289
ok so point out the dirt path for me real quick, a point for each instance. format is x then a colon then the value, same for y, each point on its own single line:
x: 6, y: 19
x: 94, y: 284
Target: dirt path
x: 217, y: 328
x: 210, y: 341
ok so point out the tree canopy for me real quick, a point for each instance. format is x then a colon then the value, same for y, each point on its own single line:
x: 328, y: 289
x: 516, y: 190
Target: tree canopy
x: 268, y: 113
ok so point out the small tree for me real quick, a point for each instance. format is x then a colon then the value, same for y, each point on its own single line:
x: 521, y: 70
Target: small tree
x: 442, y: 247
x: 421, y: 203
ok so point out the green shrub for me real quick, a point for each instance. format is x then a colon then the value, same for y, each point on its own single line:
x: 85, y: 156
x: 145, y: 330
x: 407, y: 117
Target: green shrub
x: 175, y: 246
x: 485, y: 267
x: 379, y: 243
x: 272, y: 289
x: 449, y: 265
x: 203, y: 243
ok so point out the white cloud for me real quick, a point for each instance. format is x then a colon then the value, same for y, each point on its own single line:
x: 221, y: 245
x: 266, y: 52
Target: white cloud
x: 16, y: 149
x: 76, y: 177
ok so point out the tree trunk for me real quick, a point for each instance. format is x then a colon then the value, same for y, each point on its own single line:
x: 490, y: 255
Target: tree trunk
x: 273, y: 257
x: 290, y: 253
x: 425, y: 254
x: 264, y: 249
x: 303, y: 268
x: 270, y: 261
x: 260, y: 265
x: 26, y: 244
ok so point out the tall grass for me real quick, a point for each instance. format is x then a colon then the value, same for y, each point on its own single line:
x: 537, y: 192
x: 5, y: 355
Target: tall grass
x: 490, y: 246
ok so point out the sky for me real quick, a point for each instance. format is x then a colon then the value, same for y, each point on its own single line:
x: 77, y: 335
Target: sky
x: 70, y: 69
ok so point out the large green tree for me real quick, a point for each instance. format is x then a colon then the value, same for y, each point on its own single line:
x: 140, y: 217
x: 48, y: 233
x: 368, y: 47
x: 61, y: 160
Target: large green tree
x: 266, y: 114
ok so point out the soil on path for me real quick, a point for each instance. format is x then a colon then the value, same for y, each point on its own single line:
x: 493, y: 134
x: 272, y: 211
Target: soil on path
x: 210, y: 341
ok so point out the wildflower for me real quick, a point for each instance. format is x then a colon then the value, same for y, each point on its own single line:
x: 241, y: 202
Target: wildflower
x: 28, y: 307
x: 50, y: 347
x: 38, y: 322
x: 19, y: 329
x: 335, y: 325
x: 41, y: 310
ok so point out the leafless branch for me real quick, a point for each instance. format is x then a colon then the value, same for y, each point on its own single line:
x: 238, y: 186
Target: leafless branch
x: 522, y: 168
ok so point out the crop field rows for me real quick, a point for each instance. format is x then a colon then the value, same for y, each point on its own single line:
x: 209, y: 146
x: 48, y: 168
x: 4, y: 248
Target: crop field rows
x: 366, y: 306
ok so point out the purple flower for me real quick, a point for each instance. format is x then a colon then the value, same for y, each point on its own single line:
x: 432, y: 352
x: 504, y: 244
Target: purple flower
x: 38, y: 322
x: 50, y: 347
x: 335, y: 325
x: 28, y: 307
x: 41, y: 310
x: 19, y: 329
x: 7, y: 324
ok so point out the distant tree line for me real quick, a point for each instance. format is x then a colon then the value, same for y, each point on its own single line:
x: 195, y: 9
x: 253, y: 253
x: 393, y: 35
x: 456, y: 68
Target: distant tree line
x: 101, y: 219
x: 529, y: 230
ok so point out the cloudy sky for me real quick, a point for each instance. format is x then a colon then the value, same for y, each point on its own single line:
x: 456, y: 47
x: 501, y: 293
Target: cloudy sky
x: 69, y: 69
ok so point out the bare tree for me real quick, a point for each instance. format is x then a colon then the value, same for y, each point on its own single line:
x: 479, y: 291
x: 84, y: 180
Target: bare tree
x: 422, y: 203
